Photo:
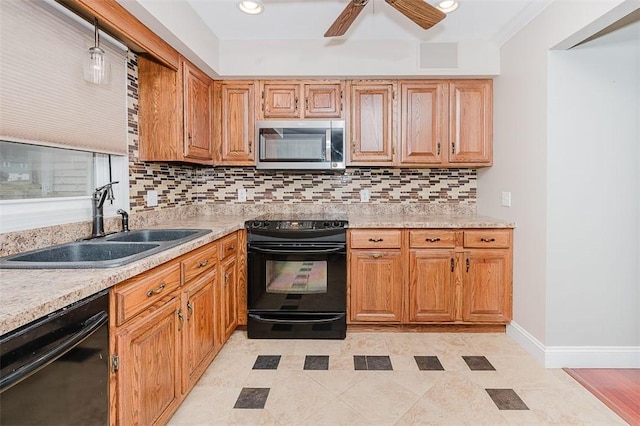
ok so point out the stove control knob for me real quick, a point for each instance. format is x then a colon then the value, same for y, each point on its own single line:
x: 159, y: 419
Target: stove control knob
x: 326, y: 225
x: 337, y: 224
x: 256, y: 224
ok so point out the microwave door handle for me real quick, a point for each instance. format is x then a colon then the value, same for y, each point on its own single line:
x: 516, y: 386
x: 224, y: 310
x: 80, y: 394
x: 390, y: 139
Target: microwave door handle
x: 328, y: 145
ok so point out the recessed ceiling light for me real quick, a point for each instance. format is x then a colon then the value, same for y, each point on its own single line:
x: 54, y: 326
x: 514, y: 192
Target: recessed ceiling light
x: 252, y: 7
x: 447, y: 6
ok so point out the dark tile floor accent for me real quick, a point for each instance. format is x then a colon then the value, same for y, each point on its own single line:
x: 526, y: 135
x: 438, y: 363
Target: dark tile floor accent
x: 478, y: 363
x: 372, y: 362
x: 429, y: 363
x: 267, y: 362
x: 316, y: 362
x: 506, y: 399
x: 252, y: 398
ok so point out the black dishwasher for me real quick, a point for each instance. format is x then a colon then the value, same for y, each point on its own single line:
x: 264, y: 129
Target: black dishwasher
x: 54, y: 371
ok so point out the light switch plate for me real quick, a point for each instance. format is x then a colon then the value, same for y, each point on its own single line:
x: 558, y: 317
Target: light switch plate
x: 152, y: 198
x: 506, y: 199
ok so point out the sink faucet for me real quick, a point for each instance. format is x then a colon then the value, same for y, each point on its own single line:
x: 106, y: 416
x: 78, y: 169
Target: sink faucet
x: 100, y: 195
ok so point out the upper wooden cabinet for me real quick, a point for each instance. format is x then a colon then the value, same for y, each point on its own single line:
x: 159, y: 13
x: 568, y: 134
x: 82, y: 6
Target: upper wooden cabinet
x: 446, y: 123
x: 175, y: 113
x: 371, y: 123
x: 310, y: 99
x: 442, y: 123
x: 423, y: 122
x: 470, y: 123
x: 235, y: 111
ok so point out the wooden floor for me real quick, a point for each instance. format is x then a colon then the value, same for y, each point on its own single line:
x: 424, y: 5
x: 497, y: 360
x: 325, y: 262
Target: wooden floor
x: 619, y: 389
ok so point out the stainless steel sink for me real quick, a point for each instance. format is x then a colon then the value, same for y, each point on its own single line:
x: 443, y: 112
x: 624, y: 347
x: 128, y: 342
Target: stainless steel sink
x: 110, y: 251
x: 152, y: 235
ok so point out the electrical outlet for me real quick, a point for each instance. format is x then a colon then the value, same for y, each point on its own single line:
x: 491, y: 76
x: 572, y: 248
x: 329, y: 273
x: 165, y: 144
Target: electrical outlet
x: 242, y: 195
x: 152, y: 198
x: 364, y: 195
x: 506, y: 199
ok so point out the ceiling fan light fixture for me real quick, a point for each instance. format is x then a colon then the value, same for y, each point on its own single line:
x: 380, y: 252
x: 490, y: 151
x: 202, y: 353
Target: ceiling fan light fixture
x: 447, y: 6
x: 252, y: 7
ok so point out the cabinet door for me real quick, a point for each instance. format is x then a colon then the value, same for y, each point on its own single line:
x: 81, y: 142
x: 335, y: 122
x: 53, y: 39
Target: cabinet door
x: 199, y: 342
x: 376, y: 286
x: 197, y: 113
x: 237, y: 145
x: 371, y: 125
x: 423, y: 123
x: 229, y: 300
x: 280, y: 100
x: 487, y: 287
x: 470, y: 122
x: 242, y: 277
x: 323, y: 100
x: 431, y: 286
x: 149, y: 374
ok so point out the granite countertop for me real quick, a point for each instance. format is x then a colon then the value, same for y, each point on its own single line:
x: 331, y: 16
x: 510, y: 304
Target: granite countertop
x: 26, y: 295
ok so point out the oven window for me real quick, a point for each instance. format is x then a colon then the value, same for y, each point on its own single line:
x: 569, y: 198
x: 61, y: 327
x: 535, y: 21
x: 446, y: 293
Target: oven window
x: 298, y: 277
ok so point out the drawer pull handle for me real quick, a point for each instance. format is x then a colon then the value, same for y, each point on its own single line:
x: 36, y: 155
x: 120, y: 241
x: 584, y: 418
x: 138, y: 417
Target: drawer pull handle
x: 376, y: 240
x: 203, y: 263
x: 487, y: 240
x: 181, y: 319
x: 376, y: 255
x: 432, y: 240
x: 453, y: 264
x: 231, y: 247
x: 190, y: 308
x: 156, y: 291
x: 467, y: 262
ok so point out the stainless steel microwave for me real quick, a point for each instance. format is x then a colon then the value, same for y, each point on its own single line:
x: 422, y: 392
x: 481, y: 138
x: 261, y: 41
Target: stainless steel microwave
x: 301, y: 145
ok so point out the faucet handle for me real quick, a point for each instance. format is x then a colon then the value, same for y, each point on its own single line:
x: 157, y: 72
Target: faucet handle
x: 110, y: 196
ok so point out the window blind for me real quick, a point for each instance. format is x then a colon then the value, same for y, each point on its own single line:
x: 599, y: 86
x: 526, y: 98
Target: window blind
x: 44, y: 98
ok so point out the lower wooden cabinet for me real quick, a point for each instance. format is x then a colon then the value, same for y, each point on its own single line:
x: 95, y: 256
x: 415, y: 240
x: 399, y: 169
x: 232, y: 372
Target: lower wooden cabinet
x: 376, y: 285
x: 431, y: 286
x: 451, y: 276
x: 148, y: 371
x: 168, y: 324
x: 200, y: 343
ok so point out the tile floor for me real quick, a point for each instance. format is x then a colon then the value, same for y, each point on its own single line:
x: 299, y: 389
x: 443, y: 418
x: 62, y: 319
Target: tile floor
x: 386, y: 379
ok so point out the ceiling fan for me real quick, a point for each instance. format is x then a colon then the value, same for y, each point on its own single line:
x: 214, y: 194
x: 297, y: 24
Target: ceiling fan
x: 419, y: 11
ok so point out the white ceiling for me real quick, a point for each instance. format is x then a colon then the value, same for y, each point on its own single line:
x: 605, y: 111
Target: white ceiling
x: 286, y: 40
x: 487, y: 20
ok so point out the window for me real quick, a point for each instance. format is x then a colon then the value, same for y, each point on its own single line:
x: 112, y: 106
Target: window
x: 43, y: 186
x: 31, y: 171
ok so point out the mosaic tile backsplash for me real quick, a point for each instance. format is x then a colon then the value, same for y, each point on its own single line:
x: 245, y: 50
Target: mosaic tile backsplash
x: 180, y: 185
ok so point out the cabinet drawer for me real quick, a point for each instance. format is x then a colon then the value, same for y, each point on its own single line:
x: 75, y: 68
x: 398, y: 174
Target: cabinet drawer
x: 228, y: 246
x: 201, y: 260
x: 491, y: 238
x: 376, y: 238
x: 137, y: 294
x: 432, y: 238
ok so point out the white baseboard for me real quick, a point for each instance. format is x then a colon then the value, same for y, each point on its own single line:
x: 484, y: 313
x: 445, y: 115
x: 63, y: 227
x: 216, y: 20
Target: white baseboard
x: 575, y: 356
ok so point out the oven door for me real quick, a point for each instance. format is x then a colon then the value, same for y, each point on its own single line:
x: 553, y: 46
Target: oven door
x: 297, y: 277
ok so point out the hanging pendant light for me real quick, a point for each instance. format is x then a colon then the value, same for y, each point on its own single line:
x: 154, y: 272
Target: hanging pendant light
x: 96, y: 62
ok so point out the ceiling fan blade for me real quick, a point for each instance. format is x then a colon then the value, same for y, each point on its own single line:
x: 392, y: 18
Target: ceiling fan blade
x: 419, y: 11
x: 346, y: 18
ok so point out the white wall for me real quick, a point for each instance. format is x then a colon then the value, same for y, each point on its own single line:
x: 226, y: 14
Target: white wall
x: 592, y: 200
x: 521, y: 149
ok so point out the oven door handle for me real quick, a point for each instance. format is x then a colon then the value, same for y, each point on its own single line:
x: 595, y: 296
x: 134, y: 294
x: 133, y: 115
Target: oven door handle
x: 295, y: 251
x: 332, y: 318
x: 25, y: 371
